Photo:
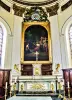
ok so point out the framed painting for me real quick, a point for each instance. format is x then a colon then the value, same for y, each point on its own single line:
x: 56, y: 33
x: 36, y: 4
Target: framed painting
x: 36, y: 43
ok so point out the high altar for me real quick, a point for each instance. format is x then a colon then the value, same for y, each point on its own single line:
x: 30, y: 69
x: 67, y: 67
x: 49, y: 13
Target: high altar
x: 36, y: 66
x: 36, y: 72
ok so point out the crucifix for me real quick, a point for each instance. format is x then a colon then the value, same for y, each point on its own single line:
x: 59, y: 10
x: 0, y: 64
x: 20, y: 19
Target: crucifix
x: 36, y: 55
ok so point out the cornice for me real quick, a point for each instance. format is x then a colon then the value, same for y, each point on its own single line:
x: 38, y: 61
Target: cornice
x: 53, y: 9
x: 35, y: 3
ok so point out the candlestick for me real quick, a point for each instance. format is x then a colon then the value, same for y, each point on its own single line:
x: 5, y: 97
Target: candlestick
x: 10, y: 90
x: 69, y: 93
x: 5, y: 93
x: 64, y: 98
x: 5, y: 90
x: 14, y: 87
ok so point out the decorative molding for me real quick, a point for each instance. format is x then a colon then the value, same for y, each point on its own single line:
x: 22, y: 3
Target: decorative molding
x: 36, y: 69
x: 27, y: 13
x: 18, y: 10
x: 53, y: 9
x: 35, y: 3
x: 35, y: 14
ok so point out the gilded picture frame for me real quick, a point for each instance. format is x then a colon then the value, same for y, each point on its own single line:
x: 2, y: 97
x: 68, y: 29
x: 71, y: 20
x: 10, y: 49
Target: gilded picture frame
x: 25, y: 26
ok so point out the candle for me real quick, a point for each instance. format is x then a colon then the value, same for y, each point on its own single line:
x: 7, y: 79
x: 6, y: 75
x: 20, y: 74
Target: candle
x: 15, y: 79
x: 6, y: 85
x: 11, y: 79
x: 23, y: 15
x: 68, y: 84
x: 59, y: 80
x: 63, y: 82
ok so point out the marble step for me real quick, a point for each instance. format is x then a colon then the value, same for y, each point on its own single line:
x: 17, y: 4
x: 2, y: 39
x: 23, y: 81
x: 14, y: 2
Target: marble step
x: 37, y: 94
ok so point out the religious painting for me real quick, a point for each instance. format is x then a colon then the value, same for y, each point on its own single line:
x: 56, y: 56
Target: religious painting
x: 35, y: 43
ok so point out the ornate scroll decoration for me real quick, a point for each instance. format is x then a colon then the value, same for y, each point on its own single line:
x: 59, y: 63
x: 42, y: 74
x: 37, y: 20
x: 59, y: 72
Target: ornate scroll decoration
x: 35, y: 14
x: 18, y: 10
x: 46, y: 2
x: 37, y: 86
x: 53, y: 9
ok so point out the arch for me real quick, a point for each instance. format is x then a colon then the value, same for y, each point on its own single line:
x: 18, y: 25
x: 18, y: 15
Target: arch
x: 1, y: 42
x: 9, y: 32
x: 4, y: 36
x: 65, y: 36
x: 70, y: 38
x: 66, y: 24
x: 6, y: 31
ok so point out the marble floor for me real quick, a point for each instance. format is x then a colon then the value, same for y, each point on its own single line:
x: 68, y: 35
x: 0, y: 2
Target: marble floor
x: 30, y: 98
x: 33, y: 98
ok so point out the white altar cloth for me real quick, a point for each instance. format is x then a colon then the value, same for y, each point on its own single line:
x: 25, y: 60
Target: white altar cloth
x: 30, y: 98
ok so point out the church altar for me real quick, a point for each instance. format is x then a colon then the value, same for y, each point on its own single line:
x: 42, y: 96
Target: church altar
x: 37, y: 84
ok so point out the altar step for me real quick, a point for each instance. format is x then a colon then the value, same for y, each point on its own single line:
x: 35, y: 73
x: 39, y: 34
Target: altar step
x: 38, y: 94
x: 53, y: 96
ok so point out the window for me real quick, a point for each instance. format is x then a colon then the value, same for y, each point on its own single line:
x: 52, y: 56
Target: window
x: 1, y: 43
x: 3, y: 37
x: 70, y: 38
